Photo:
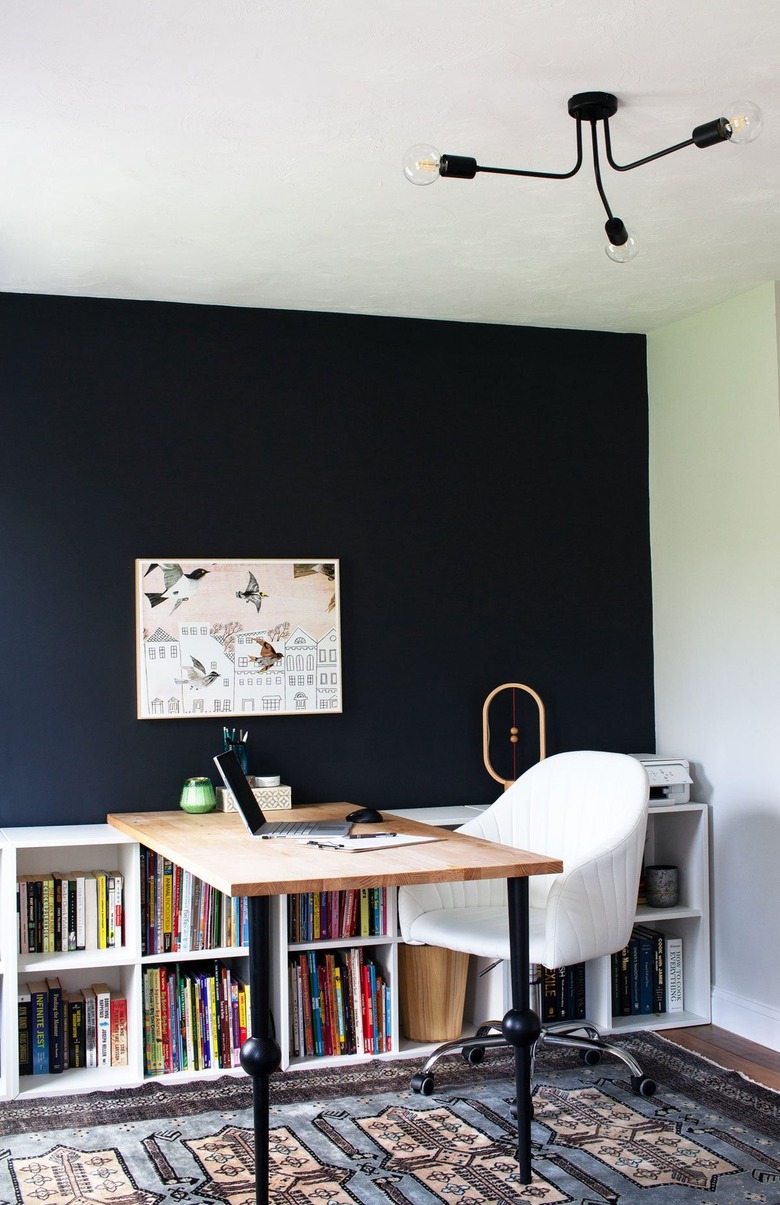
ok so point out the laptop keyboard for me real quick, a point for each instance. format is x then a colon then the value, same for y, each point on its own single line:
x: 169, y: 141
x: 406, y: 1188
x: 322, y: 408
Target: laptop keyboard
x: 292, y: 829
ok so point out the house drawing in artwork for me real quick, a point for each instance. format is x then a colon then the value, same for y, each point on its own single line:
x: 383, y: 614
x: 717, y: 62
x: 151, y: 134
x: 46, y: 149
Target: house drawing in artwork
x: 191, y: 673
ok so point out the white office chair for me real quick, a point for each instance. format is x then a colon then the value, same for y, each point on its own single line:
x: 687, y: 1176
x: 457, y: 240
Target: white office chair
x: 588, y: 809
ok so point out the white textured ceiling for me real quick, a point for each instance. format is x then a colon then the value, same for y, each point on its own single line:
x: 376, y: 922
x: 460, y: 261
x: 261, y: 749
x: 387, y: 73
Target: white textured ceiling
x: 239, y: 153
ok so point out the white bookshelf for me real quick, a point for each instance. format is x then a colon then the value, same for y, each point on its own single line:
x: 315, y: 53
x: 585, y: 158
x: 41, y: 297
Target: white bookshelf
x: 676, y: 834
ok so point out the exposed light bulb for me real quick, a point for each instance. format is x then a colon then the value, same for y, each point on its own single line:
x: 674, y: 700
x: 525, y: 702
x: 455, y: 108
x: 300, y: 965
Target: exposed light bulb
x: 422, y: 164
x: 622, y: 245
x: 744, y: 120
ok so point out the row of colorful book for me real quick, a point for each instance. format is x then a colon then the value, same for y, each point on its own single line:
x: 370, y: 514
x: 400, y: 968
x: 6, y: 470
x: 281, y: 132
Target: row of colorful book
x: 647, y: 975
x: 563, y: 993
x: 69, y: 910
x: 62, y: 1030
x: 339, y: 1004
x: 180, y: 913
x: 319, y: 915
x: 195, y: 1016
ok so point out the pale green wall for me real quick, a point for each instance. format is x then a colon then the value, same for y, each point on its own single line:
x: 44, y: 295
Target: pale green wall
x: 715, y: 530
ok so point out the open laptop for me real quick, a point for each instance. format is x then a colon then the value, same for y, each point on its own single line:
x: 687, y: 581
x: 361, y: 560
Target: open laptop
x: 249, y: 809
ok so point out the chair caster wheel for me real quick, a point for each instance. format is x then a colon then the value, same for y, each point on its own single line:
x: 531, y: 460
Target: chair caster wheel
x: 591, y: 1058
x: 473, y: 1054
x: 422, y: 1084
x: 643, y: 1085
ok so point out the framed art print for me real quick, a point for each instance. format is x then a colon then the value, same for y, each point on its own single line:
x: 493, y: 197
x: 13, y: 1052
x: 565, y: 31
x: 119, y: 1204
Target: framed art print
x: 217, y: 637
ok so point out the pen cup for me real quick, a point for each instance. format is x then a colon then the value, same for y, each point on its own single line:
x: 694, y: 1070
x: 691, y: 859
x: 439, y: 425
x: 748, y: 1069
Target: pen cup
x: 197, y: 796
x: 241, y: 751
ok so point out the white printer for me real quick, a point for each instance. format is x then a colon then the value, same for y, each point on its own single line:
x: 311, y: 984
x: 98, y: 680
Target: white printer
x: 670, y: 779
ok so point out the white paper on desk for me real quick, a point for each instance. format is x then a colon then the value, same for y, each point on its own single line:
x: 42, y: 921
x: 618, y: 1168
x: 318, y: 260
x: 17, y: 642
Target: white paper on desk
x: 354, y: 845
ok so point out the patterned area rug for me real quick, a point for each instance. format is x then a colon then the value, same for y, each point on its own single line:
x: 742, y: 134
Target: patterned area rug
x: 357, y: 1134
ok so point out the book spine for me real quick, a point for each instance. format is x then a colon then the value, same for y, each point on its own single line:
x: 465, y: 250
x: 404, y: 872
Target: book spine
x: 70, y: 907
x: 549, y: 995
x: 579, y: 1011
x: 76, y: 1030
x: 189, y: 1022
x: 110, y: 911
x: 389, y: 1019
x: 634, y: 977
x: 167, y: 906
x: 243, y: 1013
x: 646, y: 982
x: 174, y: 1024
x: 24, y: 1028
x: 158, y: 1062
x: 674, y: 974
x: 314, y: 991
x: 185, y: 920
x: 80, y: 927
x: 103, y: 1023
x: 372, y: 978
x: 119, y: 1036
x: 119, y: 910
x: 148, y: 1012
x: 338, y: 991
x: 222, y: 988
x: 165, y: 1020
x: 46, y: 935
x: 365, y: 1006
x: 90, y: 911
x: 56, y: 1034
x: 40, y: 1028
x: 234, y: 1023
x: 561, y: 998
x: 58, y: 915
x: 102, y: 903
x: 356, y: 961
x: 308, y: 1022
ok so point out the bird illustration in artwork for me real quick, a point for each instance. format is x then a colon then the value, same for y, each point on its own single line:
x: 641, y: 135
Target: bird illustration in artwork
x: 253, y: 593
x: 303, y: 570
x: 327, y: 569
x: 268, y: 657
x: 195, y: 676
x: 177, y: 585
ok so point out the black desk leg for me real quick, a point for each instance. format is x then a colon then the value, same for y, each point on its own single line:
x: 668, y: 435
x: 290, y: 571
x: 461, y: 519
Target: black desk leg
x: 260, y: 1054
x: 521, y: 1025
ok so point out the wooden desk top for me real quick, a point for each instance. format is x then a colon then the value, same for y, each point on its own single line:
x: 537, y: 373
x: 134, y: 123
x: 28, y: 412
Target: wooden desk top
x: 217, y: 848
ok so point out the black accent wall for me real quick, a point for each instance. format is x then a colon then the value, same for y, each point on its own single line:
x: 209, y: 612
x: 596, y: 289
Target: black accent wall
x: 484, y: 487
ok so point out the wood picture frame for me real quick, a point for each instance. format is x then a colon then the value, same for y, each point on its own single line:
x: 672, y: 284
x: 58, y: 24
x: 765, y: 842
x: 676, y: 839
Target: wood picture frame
x: 237, y: 637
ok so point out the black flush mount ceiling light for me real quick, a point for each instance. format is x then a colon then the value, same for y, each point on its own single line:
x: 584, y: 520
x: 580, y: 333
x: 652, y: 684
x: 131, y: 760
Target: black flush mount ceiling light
x: 424, y: 164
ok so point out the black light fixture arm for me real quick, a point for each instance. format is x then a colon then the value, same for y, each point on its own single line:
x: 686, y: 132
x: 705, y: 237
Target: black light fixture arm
x: 451, y: 165
x: 597, y: 169
x: 458, y: 165
x: 626, y: 167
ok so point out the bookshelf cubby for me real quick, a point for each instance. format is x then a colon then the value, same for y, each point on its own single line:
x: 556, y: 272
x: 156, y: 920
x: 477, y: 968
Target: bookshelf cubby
x: 676, y: 834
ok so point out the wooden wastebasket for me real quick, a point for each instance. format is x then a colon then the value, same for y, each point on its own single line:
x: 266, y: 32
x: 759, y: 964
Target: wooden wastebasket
x: 433, y: 992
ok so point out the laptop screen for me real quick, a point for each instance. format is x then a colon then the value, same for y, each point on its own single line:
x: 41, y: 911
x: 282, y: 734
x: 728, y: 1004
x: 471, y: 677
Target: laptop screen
x: 235, y: 780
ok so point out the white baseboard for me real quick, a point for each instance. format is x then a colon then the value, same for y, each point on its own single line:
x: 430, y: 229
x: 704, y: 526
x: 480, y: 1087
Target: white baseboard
x: 748, y: 1018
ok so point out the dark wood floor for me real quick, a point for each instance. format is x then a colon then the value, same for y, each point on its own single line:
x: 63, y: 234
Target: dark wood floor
x: 757, y: 1062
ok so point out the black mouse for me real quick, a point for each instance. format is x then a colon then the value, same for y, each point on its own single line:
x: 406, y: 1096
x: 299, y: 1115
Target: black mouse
x: 366, y: 816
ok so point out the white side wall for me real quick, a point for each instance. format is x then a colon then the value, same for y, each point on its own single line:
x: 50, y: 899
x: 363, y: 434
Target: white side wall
x: 715, y: 529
